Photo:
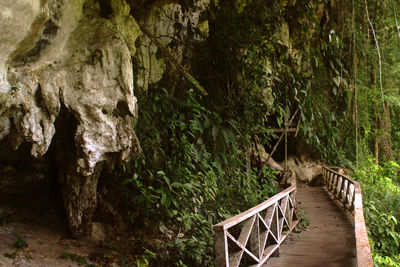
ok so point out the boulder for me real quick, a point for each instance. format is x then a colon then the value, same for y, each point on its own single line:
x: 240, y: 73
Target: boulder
x: 304, y: 170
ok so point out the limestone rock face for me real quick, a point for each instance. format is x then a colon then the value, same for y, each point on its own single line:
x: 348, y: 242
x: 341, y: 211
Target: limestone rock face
x: 304, y: 170
x: 16, y: 19
x: 66, y: 77
x: 172, y: 24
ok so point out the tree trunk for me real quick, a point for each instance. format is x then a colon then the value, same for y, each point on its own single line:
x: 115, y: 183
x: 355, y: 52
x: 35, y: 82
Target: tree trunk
x: 386, y: 142
x: 355, y: 83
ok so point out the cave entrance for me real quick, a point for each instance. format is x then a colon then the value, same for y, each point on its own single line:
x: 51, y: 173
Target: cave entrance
x: 28, y: 186
x: 28, y: 183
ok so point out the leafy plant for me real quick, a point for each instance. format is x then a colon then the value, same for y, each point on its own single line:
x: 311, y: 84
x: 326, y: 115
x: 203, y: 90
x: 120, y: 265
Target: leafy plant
x: 20, y: 243
x: 381, y: 197
x: 383, y: 261
x: 304, y: 222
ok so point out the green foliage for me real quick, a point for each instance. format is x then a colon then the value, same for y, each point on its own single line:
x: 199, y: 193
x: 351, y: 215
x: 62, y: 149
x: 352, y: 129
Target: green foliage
x: 381, y: 197
x: 305, y: 221
x: 382, y: 230
x: 142, y: 263
x: 20, y: 243
x: 270, y: 77
x: 192, y: 171
x: 384, y: 261
x: 190, y: 175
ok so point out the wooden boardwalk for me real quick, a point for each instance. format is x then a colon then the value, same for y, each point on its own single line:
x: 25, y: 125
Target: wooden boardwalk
x: 329, y: 239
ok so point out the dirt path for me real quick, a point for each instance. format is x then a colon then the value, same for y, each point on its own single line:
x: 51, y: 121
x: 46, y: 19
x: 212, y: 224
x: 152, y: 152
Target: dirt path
x: 43, y: 240
x: 329, y: 239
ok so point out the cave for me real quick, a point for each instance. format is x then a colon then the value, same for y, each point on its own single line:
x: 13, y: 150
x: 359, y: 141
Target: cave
x: 31, y: 184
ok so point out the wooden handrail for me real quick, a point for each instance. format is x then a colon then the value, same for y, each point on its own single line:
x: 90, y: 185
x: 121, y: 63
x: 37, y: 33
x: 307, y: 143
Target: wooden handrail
x: 258, y: 235
x: 348, y: 192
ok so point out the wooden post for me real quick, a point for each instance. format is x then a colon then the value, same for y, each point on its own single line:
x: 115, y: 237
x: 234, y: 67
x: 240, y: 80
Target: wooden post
x: 285, y: 151
x: 221, y: 248
x: 286, y: 128
x: 280, y: 138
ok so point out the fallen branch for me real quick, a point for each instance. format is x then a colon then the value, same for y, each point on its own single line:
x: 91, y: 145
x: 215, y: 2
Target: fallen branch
x: 168, y: 55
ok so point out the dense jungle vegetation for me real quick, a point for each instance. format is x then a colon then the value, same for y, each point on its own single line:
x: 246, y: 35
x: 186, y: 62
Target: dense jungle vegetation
x: 340, y: 69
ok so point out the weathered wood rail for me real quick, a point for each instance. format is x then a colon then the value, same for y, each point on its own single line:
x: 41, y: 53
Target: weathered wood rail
x: 348, y: 192
x: 252, y: 237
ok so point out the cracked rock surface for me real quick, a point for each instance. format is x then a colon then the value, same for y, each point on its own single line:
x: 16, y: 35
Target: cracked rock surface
x: 66, y: 79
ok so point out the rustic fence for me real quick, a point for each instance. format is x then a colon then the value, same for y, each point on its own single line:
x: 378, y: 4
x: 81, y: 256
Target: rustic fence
x: 253, y: 236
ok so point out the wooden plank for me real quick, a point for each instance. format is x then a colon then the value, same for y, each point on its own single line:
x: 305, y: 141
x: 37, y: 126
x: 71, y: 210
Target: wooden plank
x: 354, y: 198
x: 281, y: 222
x: 328, y: 239
x: 274, y: 237
x: 269, y: 231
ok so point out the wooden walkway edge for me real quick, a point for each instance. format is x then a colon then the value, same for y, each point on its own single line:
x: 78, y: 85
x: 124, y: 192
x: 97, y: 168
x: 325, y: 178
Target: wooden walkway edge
x: 328, y: 241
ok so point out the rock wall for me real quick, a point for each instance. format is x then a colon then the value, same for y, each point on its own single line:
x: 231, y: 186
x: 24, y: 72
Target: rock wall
x: 66, y: 77
x: 67, y: 85
x: 68, y: 73
x: 305, y: 170
x: 175, y: 26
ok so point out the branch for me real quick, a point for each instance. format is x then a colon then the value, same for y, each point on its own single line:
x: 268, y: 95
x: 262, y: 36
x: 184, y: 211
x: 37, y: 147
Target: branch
x: 168, y: 55
x: 379, y: 54
x: 395, y: 18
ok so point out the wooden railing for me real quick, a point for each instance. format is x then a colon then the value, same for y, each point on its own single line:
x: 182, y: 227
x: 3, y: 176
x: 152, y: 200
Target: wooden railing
x: 251, y: 237
x: 348, y: 192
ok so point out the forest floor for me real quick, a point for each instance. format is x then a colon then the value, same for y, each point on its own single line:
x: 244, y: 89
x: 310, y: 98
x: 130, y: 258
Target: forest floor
x: 28, y: 238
